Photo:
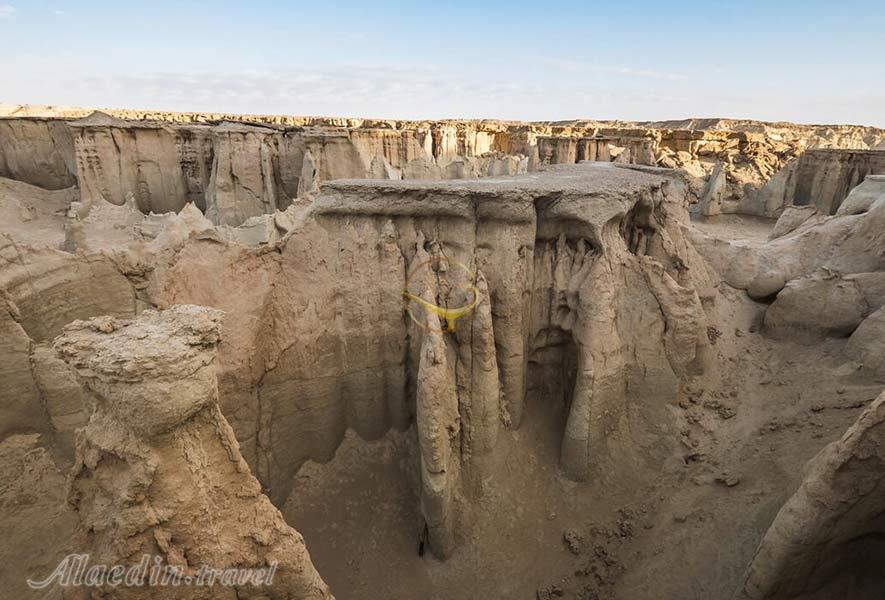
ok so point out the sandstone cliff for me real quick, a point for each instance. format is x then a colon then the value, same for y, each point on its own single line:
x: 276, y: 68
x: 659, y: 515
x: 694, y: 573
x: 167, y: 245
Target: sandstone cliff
x: 316, y: 341
x: 236, y: 166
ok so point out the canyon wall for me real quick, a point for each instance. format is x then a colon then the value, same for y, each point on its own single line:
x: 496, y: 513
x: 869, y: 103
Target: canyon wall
x: 431, y: 303
x: 234, y: 171
x: 318, y: 342
x: 236, y: 167
x: 825, y: 177
x: 38, y: 151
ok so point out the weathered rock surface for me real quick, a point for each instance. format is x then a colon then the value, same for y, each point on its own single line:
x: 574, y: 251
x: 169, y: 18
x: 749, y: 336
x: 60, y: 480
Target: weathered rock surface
x: 824, y: 178
x: 867, y: 343
x: 826, y: 303
x: 234, y: 167
x: 38, y: 152
x: 34, y: 215
x: 37, y: 525
x: 826, y: 540
x: 316, y: 342
x: 161, y: 167
x: 41, y: 290
x: 180, y: 488
x: 49, y: 288
x: 862, y: 197
x: 826, y: 272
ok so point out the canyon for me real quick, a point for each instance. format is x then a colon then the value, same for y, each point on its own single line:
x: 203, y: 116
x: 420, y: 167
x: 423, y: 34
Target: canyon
x: 449, y: 359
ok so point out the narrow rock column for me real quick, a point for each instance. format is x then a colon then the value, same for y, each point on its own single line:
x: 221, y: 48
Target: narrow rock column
x: 437, y: 423
x: 508, y: 270
x: 436, y: 413
x: 482, y: 415
x: 598, y: 399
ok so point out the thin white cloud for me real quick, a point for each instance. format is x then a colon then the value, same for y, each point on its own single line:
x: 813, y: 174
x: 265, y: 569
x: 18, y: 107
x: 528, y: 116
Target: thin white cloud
x: 651, y: 73
x: 399, y: 92
x: 574, y: 66
x: 60, y: 13
x: 368, y: 91
x: 371, y: 91
x: 6, y: 10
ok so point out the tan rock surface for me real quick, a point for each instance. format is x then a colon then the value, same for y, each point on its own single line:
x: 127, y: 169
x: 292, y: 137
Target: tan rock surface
x: 158, y: 470
x: 166, y: 160
x: 822, y: 544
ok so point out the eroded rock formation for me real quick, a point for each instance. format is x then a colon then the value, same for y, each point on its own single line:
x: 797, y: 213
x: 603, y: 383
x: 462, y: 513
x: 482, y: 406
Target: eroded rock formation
x: 553, y: 251
x: 826, y: 541
x: 821, y: 178
x: 158, y: 470
x: 235, y: 167
x: 824, y: 274
x: 317, y: 343
x: 501, y: 338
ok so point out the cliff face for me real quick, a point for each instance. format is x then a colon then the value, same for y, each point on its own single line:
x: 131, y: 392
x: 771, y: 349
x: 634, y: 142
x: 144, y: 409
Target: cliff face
x: 236, y: 167
x: 38, y: 151
x: 825, y: 177
x: 162, y: 168
x: 42, y: 289
x: 622, y: 149
x: 317, y: 342
x: 236, y: 171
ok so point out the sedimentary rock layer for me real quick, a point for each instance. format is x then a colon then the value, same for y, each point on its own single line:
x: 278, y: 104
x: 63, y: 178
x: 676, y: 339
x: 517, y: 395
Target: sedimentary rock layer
x: 822, y: 178
x: 317, y: 341
x: 38, y: 151
x: 235, y: 167
x: 179, y: 487
x: 825, y: 275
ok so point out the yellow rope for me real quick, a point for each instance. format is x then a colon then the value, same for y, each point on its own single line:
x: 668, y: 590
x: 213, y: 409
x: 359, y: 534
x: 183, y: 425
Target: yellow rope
x: 449, y: 314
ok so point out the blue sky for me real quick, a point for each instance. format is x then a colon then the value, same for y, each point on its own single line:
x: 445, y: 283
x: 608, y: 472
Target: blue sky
x: 811, y: 61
